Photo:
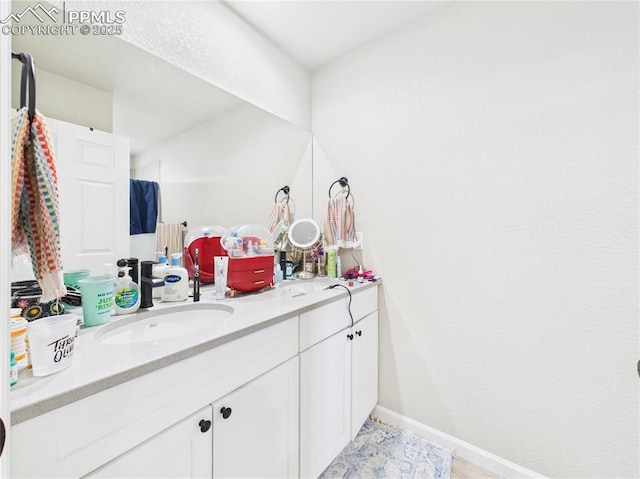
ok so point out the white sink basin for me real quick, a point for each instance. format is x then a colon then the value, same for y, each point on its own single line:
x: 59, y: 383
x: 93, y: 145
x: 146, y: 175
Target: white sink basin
x: 163, y: 325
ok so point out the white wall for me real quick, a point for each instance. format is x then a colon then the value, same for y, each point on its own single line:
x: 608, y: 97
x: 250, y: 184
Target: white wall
x: 227, y: 170
x: 493, y: 153
x: 212, y: 42
x: 64, y: 99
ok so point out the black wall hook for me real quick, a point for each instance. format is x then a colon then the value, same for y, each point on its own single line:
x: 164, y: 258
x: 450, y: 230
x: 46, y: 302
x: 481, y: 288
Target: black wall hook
x: 344, y: 182
x: 27, y: 82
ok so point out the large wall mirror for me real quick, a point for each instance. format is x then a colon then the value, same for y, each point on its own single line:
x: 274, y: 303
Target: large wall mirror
x: 218, y: 159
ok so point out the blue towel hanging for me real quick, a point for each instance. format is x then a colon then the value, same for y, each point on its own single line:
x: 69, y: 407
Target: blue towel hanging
x: 143, y: 206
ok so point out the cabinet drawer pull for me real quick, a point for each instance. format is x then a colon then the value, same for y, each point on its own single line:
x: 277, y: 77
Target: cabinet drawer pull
x: 359, y: 333
x: 226, y: 412
x: 258, y: 271
x: 204, y: 425
x: 350, y: 336
x: 259, y: 282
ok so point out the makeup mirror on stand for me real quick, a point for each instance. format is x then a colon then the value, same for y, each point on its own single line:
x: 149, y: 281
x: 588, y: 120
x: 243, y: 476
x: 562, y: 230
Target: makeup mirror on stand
x: 303, y: 234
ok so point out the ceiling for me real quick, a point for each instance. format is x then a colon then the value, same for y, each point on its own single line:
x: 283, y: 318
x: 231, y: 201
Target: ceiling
x: 316, y: 32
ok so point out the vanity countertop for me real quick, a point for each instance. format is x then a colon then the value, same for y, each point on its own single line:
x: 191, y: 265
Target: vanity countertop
x: 97, y: 366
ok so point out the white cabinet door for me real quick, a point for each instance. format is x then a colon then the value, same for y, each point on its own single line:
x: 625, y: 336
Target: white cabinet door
x: 182, y: 451
x: 364, y: 370
x: 93, y: 183
x: 255, y: 428
x: 325, y: 403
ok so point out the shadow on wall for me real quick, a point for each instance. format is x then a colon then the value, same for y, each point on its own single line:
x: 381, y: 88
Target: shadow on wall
x: 393, y: 337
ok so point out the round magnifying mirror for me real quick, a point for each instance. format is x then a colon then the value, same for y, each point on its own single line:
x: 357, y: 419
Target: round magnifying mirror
x: 303, y: 234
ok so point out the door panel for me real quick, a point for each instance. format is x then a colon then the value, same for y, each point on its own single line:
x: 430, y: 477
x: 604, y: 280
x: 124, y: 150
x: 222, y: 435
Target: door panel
x: 325, y: 402
x: 180, y: 452
x: 364, y: 371
x: 93, y: 183
x: 257, y: 437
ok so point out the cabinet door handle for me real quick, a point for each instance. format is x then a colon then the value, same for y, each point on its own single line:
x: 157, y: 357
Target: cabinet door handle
x: 226, y: 412
x: 350, y: 336
x: 204, y: 425
x: 258, y: 271
x: 359, y: 333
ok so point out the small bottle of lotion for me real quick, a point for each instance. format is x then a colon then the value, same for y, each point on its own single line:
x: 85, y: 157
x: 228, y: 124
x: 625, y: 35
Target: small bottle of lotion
x: 176, y: 281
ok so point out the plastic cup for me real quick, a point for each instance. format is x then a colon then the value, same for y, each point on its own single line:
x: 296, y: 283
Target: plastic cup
x: 51, y: 342
x: 72, y: 277
x: 97, y: 295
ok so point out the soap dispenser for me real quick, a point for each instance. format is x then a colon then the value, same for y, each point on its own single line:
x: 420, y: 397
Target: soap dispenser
x: 176, y: 281
x: 126, y: 293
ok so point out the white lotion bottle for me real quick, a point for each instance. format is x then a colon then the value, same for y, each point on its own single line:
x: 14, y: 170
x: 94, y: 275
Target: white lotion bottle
x: 176, y: 281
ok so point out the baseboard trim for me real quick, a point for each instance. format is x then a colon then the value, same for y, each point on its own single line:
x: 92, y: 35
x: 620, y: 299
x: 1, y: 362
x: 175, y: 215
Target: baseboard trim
x: 458, y: 448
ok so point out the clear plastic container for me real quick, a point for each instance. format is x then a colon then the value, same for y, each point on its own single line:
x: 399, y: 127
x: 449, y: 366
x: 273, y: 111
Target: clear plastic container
x: 242, y: 241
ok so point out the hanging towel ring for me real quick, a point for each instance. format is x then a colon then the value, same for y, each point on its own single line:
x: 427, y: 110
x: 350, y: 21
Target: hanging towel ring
x: 344, y: 182
x: 285, y: 189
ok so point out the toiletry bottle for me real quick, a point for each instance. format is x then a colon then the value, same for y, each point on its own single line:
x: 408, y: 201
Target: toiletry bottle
x: 176, y: 281
x: 360, y: 275
x: 13, y: 371
x: 321, y: 265
x: 332, y: 264
x: 158, y: 271
x: 221, y: 265
x: 126, y: 293
x: 338, y: 267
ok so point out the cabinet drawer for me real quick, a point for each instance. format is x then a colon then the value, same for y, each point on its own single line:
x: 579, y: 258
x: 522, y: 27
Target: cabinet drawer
x: 364, y: 302
x: 250, y: 274
x: 326, y: 320
x: 322, y: 322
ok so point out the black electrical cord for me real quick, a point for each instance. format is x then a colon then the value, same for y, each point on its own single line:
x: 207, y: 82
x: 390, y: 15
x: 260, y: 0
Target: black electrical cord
x: 349, y: 305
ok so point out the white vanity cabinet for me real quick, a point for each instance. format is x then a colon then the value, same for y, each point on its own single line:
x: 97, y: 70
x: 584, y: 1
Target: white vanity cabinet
x: 85, y: 435
x: 250, y: 433
x: 281, y: 400
x: 255, y: 428
x: 338, y: 377
x: 180, y: 452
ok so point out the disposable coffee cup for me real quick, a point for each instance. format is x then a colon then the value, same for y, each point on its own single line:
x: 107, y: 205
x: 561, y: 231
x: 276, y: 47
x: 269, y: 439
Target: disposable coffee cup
x: 51, y: 341
x: 97, y: 295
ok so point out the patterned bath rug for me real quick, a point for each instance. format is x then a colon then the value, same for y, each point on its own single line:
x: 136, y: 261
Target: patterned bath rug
x: 380, y: 451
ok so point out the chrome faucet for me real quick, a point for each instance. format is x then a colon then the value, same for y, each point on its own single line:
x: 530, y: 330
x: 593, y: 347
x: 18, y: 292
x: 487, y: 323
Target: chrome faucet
x: 147, y: 283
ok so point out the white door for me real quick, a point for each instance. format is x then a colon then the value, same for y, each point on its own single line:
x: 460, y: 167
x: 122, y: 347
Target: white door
x: 325, y: 403
x: 93, y: 183
x: 182, y: 451
x: 364, y: 371
x: 255, y: 428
